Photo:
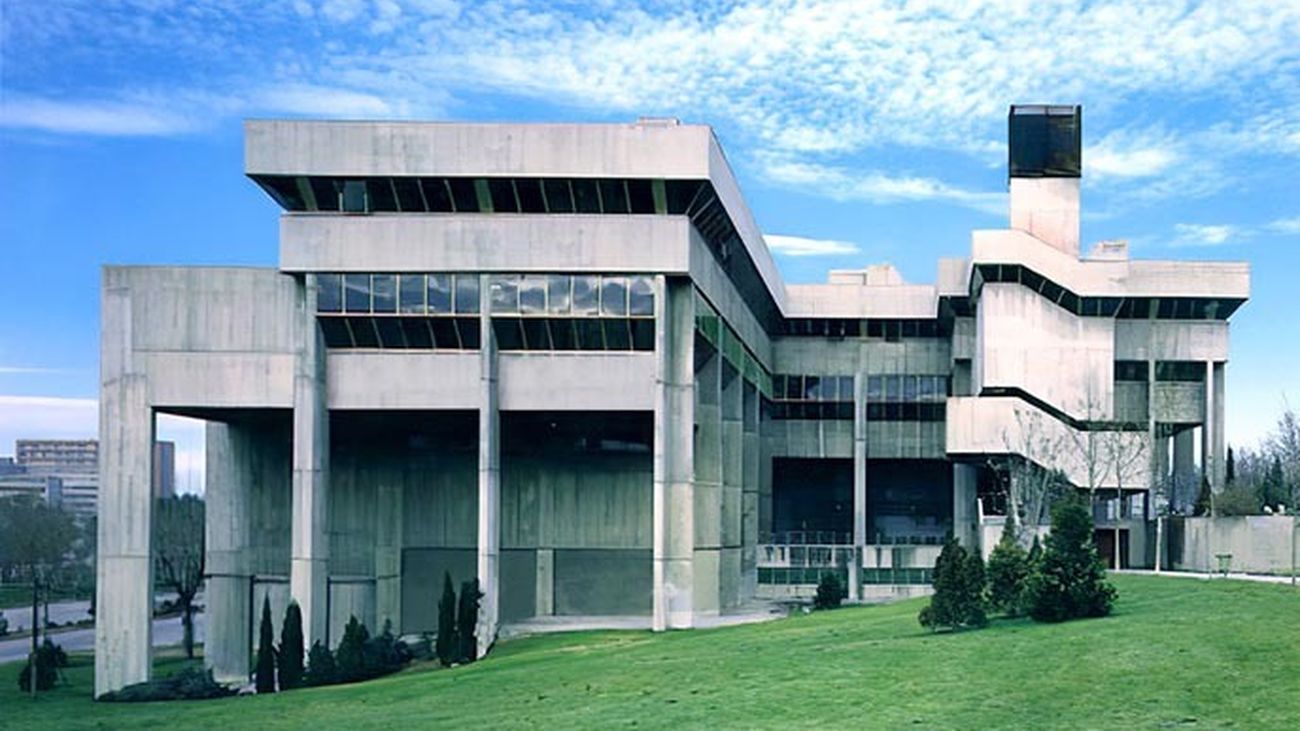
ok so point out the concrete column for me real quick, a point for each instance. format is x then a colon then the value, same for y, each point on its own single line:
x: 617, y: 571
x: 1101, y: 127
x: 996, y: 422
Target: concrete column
x: 859, y: 485
x: 733, y: 469
x: 309, y: 553
x: 965, y: 516
x: 674, y: 448
x: 708, y: 486
x: 749, y: 497
x: 124, y: 570
x: 1218, y: 445
x: 388, y: 553
x: 489, y: 476
x: 228, y: 483
x: 1187, y: 484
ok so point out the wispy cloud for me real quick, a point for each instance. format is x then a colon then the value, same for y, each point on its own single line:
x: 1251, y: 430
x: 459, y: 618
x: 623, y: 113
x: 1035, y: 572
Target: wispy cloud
x: 801, y: 246
x: 1129, y: 153
x: 36, y: 370
x: 842, y: 183
x: 1288, y: 226
x: 1196, y: 234
x: 92, y: 117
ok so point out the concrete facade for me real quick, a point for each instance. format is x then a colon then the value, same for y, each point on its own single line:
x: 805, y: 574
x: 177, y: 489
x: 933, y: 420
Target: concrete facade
x: 560, y: 359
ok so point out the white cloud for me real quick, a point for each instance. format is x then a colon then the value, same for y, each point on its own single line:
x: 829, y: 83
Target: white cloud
x: 1285, y: 225
x: 320, y: 101
x: 801, y: 246
x: 840, y: 183
x: 35, y: 370
x: 1195, y: 234
x: 1130, y: 154
x: 110, y: 118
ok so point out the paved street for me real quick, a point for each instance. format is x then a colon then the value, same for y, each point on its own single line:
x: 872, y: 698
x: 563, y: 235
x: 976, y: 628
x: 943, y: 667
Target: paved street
x: 165, y: 632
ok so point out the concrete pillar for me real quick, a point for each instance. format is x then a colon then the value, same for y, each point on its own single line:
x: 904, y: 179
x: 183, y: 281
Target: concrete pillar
x: 859, y: 485
x: 1218, y: 443
x: 749, y: 497
x: 388, y: 553
x: 1187, y: 483
x: 124, y: 569
x: 707, y: 555
x: 674, y: 447
x: 310, y: 546
x: 965, y: 512
x: 733, y: 468
x: 228, y: 482
x: 489, y: 476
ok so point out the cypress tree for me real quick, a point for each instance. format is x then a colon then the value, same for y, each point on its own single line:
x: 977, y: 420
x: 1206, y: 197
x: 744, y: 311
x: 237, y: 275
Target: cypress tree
x: 291, y: 648
x: 958, y: 599
x: 320, y: 666
x: 1204, y: 500
x: 266, y: 651
x: 1070, y: 580
x: 467, y: 620
x: 445, y: 645
x: 1008, y: 572
x: 350, y: 658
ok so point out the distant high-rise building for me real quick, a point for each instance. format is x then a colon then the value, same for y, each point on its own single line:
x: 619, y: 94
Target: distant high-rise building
x: 74, y: 465
x: 164, y: 469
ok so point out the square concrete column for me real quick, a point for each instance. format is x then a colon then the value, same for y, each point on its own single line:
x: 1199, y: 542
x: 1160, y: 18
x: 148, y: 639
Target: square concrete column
x: 489, y: 476
x: 310, y: 546
x: 965, y: 515
x: 228, y: 482
x: 1212, y: 440
x: 749, y: 496
x: 124, y: 567
x: 859, y: 485
x: 708, y: 486
x: 674, y: 450
x: 388, y: 554
x: 1218, y: 445
x: 733, y: 473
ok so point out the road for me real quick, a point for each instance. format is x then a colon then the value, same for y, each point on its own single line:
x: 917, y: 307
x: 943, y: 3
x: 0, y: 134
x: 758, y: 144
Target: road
x: 165, y: 632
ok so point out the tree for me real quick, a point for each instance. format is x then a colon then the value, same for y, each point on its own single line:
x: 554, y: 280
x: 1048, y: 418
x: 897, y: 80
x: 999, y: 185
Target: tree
x: 1204, y: 505
x: 1031, y: 487
x: 445, y: 646
x: 350, y: 658
x: 179, y: 555
x: 34, y: 538
x: 1069, y: 581
x: 830, y: 591
x: 321, y: 669
x: 1008, y: 572
x: 467, y: 620
x: 1274, y: 490
x: 958, y: 599
x: 265, y: 676
x: 291, y: 648
x: 1230, y: 471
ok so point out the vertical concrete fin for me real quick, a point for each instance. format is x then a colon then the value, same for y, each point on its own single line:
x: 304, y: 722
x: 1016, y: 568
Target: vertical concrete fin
x: 309, y: 556
x: 674, y: 462
x: 489, y: 476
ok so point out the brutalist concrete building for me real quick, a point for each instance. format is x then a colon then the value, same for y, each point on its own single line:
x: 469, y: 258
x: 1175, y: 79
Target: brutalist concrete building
x: 559, y: 358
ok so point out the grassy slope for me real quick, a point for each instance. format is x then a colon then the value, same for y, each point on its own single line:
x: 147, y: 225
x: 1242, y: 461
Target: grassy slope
x: 1177, y: 651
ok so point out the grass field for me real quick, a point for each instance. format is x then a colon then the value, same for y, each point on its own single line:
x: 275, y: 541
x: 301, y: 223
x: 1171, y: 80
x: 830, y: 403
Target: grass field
x: 1177, y: 652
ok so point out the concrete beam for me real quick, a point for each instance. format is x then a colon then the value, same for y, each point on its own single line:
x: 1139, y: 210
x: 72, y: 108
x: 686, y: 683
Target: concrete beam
x: 309, y: 552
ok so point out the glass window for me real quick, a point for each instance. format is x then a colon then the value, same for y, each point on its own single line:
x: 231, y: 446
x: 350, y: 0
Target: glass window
x: 502, y: 193
x: 909, y: 388
x: 356, y: 292
x: 794, y: 387
x: 641, y: 198
x: 613, y: 296
x: 812, y: 388
x: 437, y: 194
x: 893, y: 389
x: 846, y: 388
x: 411, y: 294
x: 641, y: 295
x: 467, y: 295
x: 585, y: 297
x: 439, y: 293
x: 463, y: 195
x: 558, y: 197
x: 505, y: 293
x: 385, y: 292
x: 585, y: 197
x: 380, y: 193
x: 354, y: 196
x: 778, y: 385
x: 875, y: 389
x: 614, y: 196
x: 408, y: 194
x: 562, y: 333
x: 532, y: 294
x: 330, y: 296
x: 530, y: 195
x: 617, y: 335
x: 558, y: 293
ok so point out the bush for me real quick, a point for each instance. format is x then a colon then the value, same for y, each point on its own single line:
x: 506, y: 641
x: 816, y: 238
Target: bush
x: 958, y: 599
x: 49, y: 658
x: 445, y: 646
x: 265, y: 674
x: 830, y: 592
x: 291, y: 647
x: 190, y: 683
x: 467, y: 620
x: 321, y: 669
x: 1069, y: 581
x: 1008, y: 573
x: 384, y: 654
x: 350, y: 658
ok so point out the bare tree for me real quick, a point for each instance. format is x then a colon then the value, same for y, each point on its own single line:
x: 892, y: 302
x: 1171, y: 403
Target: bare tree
x: 1033, y: 480
x: 179, y: 555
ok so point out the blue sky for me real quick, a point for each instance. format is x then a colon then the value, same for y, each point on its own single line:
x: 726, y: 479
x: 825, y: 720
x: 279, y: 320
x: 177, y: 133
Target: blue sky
x: 861, y: 132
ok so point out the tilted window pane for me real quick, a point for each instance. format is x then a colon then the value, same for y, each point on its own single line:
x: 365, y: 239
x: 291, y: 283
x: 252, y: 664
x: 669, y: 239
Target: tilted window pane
x: 440, y: 293
x: 385, y: 289
x: 641, y: 296
x: 467, y: 294
x: 330, y: 296
x: 557, y: 293
x: 505, y: 293
x: 412, y: 294
x: 356, y: 292
x: 532, y: 294
x: 585, y: 297
x: 613, y: 296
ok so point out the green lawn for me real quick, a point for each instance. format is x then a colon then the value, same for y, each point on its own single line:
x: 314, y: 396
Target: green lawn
x: 1176, y: 652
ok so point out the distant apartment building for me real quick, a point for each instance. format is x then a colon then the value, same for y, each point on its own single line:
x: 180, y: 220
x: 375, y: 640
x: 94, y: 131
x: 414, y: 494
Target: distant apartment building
x: 66, y: 472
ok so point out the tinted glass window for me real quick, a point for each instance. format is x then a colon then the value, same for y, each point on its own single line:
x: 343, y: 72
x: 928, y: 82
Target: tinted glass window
x: 463, y: 195
x: 335, y: 330
x: 505, y: 293
x: 380, y: 192
x: 532, y: 294
x: 357, y: 292
x: 327, y: 196
x: 640, y: 197
x: 467, y: 294
x: 846, y: 388
x: 585, y: 295
x: 440, y: 293
x: 412, y: 293
x: 416, y: 331
x: 330, y: 296
x: 558, y: 295
x: 613, y: 296
x: 408, y: 194
x: 385, y: 292
x: 503, y: 196
x: 530, y: 195
x: 437, y: 194
x: 558, y: 198
x: 562, y: 334
x: 614, y: 196
x: 354, y: 196
x: 641, y: 296
x: 585, y: 197
x: 617, y: 336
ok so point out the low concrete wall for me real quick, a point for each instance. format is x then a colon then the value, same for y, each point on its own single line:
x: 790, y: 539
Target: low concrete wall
x: 1258, y: 544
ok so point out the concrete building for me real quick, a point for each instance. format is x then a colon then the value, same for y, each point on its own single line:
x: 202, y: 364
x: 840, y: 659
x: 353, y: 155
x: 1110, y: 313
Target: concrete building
x: 73, y: 465
x: 560, y: 359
